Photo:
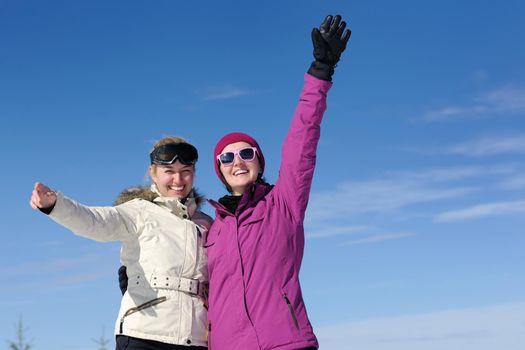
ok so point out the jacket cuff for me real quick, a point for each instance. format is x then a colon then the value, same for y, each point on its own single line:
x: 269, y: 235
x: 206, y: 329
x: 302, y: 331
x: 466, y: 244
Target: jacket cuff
x: 321, y: 70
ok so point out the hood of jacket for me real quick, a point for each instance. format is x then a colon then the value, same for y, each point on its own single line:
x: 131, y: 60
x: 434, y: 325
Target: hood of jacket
x: 179, y: 207
x: 150, y: 194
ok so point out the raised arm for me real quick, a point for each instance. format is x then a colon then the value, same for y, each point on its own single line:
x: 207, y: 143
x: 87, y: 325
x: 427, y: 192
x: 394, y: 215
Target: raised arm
x: 300, y: 145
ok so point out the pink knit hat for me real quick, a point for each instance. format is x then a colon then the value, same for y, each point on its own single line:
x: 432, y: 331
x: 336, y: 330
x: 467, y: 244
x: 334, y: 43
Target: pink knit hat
x: 232, y: 138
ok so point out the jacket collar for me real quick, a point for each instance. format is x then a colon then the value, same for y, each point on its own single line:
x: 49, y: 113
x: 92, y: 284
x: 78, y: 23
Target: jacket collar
x: 183, y: 209
x: 250, y: 198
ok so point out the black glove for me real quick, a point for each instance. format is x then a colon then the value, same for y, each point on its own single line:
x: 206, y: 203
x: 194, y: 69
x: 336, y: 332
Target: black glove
x: 122, y: 279
x: 47, y: 210
x: 329, y: 41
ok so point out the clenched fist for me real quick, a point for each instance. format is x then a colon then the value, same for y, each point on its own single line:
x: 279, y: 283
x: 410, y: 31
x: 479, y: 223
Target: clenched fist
x: 42, y: 197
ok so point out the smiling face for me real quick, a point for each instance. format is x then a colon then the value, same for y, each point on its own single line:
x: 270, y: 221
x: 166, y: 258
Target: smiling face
x: 175, y: 180
x: 241, y: 173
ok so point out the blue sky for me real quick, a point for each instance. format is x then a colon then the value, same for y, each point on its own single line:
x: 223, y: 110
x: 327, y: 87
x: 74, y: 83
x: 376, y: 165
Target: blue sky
x: 416, y: 219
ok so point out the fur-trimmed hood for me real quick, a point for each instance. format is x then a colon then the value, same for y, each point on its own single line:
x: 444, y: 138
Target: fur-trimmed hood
x: 150, y: 194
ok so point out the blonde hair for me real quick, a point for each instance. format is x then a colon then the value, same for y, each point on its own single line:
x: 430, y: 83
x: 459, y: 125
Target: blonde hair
x: 164, y: 141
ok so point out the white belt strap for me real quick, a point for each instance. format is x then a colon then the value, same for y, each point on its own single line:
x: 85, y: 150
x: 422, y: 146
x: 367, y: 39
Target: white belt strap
x: 187, y: 285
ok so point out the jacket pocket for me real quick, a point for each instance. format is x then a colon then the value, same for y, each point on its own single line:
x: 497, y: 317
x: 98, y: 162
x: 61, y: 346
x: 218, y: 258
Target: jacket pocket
x: 292, y: 311
x: 139, y: 308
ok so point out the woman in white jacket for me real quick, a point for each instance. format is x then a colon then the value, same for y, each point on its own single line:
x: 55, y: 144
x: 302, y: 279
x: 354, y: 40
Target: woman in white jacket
x: 162, y: 233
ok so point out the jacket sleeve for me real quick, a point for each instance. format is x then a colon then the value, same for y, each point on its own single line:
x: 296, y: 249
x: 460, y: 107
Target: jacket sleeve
x: 103, y: 224
x: 300, y: 145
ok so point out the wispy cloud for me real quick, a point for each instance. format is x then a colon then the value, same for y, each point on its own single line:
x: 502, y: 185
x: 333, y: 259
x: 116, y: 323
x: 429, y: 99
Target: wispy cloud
x: 371, y: 234
x: 84, y: 277
x: 486, y: 328
x: 378, y: 238
x: 52, y: 283
x: 364, y: 208
x: 482, y: 210
x: 222, y: 93
x: 480, y: 75
x: 51, y: 243
x: 51, y: 266
x: 514, y: 182
x: 490, y: 146
x: 394, y: 191
x: 455, y: 173
x: 447, y: 113
x: 509, y: 99
x: 14, y: 303
x: 335, y: 231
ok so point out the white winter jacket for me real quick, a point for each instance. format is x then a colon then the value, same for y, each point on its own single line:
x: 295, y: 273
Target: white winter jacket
x: 162, y: 248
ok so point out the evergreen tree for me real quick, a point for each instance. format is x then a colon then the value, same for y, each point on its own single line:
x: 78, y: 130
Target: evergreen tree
x: 102, y: 341
x: 20, y: 343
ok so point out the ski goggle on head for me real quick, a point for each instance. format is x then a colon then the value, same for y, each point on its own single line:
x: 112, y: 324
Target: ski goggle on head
x: 171, y: 152
x: 246, y: 154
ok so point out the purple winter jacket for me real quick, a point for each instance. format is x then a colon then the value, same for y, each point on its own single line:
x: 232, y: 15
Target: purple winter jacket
x: 254, y: 256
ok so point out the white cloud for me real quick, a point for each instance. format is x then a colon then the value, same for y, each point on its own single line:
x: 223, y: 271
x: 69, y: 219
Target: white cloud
x: 57, y: 265
x: 378, y: 238
x: 54, y: 283
x: 451, y: 173
x: 480, y: 75
x: 395, y: 191
x: 14, y: 303
x: 490, y: 146
x: 51, y: 243
x: 505, y: 100
x: 487, y: 328
x: 51, y: 266
x: 223, y: 93
x: 84, y: 277
x: 399, y: 195
x: 448, y: 113
x: 331, y: 231
x: 482, y: 210
x: 484, y: 146
x: 513, y: 183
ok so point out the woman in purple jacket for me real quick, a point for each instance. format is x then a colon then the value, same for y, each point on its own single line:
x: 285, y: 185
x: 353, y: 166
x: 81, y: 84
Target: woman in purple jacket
x: 256, y: 243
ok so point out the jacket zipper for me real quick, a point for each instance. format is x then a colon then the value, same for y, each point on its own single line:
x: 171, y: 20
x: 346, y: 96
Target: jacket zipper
x: 243, y: 279
x: 292, y: 312
x: 140, y: 307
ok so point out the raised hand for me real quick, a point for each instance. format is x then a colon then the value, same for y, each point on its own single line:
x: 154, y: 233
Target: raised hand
x: 42, y: 197
x: 329, y: 42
